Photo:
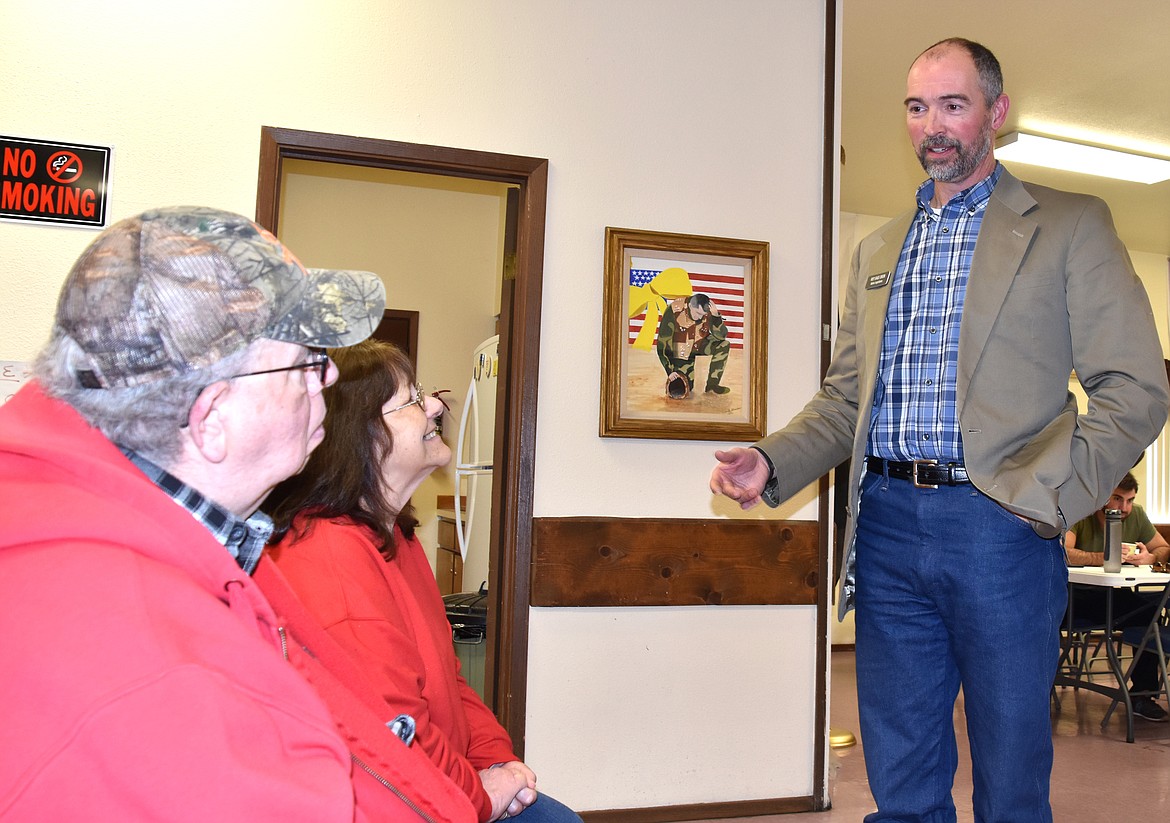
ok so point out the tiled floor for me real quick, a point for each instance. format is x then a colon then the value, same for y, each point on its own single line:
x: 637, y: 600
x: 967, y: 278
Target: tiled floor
x: 1097, y: 776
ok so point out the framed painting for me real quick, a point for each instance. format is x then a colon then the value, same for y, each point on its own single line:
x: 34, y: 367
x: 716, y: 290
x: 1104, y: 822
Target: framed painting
x: 684, y: 333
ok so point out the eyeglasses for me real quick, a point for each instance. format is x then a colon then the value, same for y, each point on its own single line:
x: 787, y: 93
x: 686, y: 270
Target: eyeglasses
x: 319, y: 361
x: 418, y: 400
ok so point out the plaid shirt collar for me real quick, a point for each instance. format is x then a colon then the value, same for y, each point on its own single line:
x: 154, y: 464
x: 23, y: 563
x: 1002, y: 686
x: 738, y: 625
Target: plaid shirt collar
x: 970, y: 199
x: 244, y: 539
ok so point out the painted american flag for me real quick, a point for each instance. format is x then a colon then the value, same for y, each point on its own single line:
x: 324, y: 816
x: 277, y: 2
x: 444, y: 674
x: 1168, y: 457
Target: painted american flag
x: 723, y: 284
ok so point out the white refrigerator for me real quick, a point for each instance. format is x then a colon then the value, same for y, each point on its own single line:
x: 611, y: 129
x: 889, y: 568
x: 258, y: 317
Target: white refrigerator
x: 473, y: 464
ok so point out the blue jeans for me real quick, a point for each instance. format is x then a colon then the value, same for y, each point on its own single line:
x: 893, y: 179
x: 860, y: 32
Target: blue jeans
x: 547, y: 810
x: 954, y: 590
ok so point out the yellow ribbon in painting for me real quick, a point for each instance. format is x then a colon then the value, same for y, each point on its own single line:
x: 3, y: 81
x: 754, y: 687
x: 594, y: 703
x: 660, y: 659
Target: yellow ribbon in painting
x: 653, y: 297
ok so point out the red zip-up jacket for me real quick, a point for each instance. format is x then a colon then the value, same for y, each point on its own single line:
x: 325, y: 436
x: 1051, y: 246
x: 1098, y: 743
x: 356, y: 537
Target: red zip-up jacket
x: 143, y: 675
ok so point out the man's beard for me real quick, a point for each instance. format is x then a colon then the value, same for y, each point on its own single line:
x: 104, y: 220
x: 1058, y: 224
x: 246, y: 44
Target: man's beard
x: 965, y: 160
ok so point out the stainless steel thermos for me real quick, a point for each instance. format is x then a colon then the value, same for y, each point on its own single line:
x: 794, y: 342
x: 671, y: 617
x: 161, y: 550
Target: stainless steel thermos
x: 1112, y: 540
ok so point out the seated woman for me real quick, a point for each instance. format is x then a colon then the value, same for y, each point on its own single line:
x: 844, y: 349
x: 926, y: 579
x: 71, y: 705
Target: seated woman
x: 350, y: 553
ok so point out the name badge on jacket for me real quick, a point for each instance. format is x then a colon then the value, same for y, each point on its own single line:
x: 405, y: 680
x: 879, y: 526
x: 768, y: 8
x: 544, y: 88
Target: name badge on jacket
x: 876, y: 281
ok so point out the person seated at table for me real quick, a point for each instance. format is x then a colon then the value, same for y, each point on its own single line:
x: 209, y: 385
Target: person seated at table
x: 1084, y: 545
x: 351, y: 554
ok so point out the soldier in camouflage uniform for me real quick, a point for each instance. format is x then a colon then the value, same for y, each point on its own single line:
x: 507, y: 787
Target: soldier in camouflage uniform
x: 691, y: 326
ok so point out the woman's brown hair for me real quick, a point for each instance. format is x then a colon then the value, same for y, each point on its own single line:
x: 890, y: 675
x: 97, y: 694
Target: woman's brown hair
x: 343, y: 477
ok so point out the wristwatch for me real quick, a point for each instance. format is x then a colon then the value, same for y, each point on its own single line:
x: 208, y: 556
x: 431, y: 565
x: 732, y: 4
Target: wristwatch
x: 771, y: 491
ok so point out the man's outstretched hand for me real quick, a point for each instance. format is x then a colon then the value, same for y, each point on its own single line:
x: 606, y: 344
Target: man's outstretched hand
x: 741, y: 475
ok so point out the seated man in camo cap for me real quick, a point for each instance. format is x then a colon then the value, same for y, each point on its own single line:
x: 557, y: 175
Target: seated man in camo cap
x: 146, y: 677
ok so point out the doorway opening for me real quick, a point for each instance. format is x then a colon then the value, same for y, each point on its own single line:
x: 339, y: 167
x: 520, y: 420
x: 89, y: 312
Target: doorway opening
x: 505, y: 675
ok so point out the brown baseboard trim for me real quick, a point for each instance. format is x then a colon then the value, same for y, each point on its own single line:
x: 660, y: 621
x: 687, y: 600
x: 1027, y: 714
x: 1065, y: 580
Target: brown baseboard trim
x: 844, y: 647
x: 703, y: 811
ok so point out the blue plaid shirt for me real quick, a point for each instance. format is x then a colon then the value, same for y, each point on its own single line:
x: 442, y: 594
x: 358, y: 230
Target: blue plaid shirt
x: 914, y: 415
x: 244, y: 539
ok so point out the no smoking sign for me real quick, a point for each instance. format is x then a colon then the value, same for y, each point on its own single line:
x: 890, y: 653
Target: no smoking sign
x: 49, y: 182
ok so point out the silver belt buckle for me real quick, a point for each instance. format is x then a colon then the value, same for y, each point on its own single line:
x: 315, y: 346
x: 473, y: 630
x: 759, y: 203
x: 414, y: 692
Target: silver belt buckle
x: 917, y: 484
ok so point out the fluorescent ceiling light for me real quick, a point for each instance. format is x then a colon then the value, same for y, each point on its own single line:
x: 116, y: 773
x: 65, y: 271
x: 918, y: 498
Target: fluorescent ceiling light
x: 1059, y: 154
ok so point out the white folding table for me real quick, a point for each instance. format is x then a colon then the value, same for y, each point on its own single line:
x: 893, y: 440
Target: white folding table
x: 1129, y: 577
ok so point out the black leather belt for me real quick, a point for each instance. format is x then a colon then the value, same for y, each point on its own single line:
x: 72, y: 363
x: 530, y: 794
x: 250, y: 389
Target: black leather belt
x: 925, y: 474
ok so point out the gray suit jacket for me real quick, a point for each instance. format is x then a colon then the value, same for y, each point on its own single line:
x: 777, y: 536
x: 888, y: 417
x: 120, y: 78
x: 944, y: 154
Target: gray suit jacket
x: 1051, y: 290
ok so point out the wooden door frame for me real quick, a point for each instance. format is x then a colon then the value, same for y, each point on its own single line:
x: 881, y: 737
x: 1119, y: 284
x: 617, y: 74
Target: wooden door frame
x: 506, y: 675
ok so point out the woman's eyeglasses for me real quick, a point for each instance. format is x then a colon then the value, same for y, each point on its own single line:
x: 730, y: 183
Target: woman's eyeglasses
x: 319, y: 361
x: 419, y: 399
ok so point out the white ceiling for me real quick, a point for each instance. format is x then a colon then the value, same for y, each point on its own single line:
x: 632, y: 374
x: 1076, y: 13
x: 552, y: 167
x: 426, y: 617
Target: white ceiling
x: 1097, y: 71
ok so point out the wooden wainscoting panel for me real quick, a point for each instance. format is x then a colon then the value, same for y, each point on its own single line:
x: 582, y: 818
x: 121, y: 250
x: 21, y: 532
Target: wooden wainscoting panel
x: 612, y: 561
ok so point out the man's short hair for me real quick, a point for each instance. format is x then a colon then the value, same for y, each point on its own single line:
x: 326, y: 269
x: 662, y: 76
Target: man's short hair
x: 986, y: 65
x: 145, y: 418
x: 1128, y: 483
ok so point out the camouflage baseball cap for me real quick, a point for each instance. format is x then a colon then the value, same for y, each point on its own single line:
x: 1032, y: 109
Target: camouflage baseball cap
x: 176, y: 289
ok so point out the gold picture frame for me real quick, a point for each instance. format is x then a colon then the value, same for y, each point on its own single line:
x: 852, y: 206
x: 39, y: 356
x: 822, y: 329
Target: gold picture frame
x: 709, y: 380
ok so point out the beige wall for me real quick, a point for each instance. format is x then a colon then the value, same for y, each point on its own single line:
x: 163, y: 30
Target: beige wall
x: 685, y: 116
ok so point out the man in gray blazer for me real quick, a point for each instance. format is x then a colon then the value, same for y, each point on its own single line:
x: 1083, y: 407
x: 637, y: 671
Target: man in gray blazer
x: 964, y: 319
